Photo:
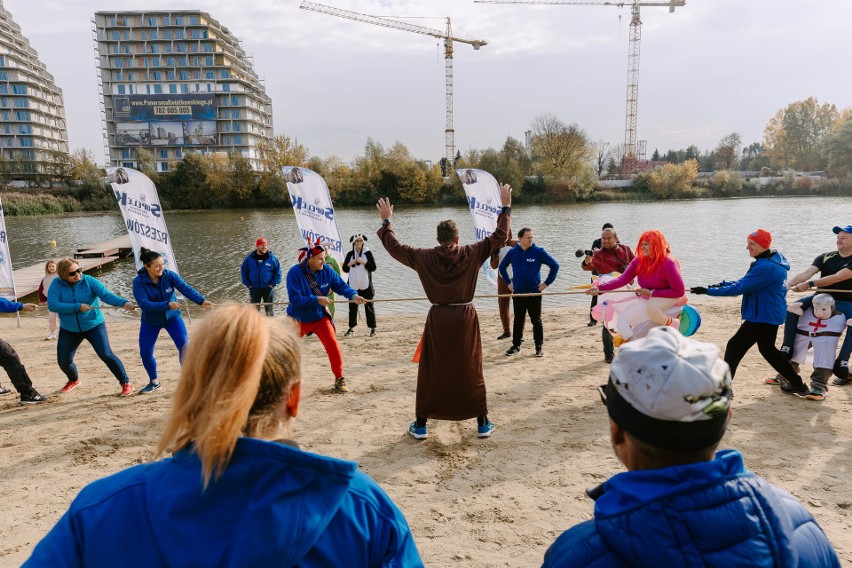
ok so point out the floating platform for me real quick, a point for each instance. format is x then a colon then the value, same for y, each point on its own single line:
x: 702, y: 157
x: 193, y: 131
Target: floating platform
x: 117, y: 247
x: 27, y: 279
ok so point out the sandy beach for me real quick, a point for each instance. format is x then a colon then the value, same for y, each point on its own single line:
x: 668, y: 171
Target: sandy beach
x: 470, y: 502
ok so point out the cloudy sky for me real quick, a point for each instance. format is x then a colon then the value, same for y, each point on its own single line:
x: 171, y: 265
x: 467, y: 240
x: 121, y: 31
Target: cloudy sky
x: 711, y: 68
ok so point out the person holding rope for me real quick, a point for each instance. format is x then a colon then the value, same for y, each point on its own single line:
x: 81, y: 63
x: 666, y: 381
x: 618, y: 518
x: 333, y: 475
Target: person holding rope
x: 309, y: 283
x: 503, y: 293
x: 596, y: 245
x: 11, y: 363
x: 763, y: 308
x: 360, y: 265
x: 261, y: 273
x: 526, y: 260
x: 154, y: 289
x: 450, y: 384
x: 75, y: 297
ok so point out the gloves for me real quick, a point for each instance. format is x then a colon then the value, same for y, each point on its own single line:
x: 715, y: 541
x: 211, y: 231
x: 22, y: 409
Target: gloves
x: 698, y: 290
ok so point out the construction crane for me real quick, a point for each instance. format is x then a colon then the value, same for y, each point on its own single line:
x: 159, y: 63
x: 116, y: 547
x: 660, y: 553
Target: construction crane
x: 447, y: 36
x: 630, y: 143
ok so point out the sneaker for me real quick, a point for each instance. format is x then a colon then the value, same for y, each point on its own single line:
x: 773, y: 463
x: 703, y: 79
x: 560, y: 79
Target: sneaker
x: 513, y: 350
x: 71, y: 385
x: 539, y: 352
x: 150, y: 387
x: 4, y: 390
x: 504, y: 335
x: 485, y: 430
x: 351, y: 331
x: 417, y: 433
x: 592, y: 323
x: 816, y: 394
x: 32, y: 398
x: 51, y: 336
x: 340, y: 385
x: 373, y: 332
x: 608, y: 357
x: 801, y: 391
x: 772, y: 381
x: 838, y: 382
x: 126, y: 389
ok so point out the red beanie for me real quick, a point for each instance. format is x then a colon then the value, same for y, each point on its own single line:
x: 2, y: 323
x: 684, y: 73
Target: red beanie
x: 762, y: 237
x: 260, y: 241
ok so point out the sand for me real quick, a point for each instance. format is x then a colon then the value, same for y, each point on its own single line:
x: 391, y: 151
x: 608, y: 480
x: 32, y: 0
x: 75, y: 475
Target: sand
x: 470, y: 502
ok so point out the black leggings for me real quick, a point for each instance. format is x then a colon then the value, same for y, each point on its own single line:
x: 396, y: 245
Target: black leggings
x: 764, y: 335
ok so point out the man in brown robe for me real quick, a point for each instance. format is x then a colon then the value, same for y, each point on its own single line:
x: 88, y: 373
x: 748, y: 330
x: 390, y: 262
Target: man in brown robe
x: 450, y: 385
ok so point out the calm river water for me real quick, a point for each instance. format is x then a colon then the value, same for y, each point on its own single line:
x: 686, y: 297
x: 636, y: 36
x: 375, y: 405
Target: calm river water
x: 708, y: 237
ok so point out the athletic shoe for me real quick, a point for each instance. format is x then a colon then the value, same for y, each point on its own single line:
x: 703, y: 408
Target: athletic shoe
x: 70, y: 385
x: 539, y: 352
x: 816, y: 394
x: 351, y: 331
x: 150, y: 387
x: 32, y: 398
x: 772, y: 381
x: 126, y: 389
x: 417, y: 433
x: 801, y: 391
x: 608, y: 357
x: 4, y: 390
x: 340, y: 385
x: 838, y: 382
x: 592, y: 323
x: 372, y: 332
x: 51, y: 336
x: 504, y: 335
x: 513, y: 350
x: 485, y: 430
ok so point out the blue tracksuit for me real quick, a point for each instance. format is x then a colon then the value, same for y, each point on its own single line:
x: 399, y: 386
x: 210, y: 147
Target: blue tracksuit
x: 304, y: 306
x: 526, y: 268
x: 153, y: 299
x: 257, y: 273
x: 763, y: 289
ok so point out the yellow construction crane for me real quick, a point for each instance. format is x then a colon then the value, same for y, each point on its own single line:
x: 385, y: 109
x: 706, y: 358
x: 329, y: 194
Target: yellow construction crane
x: 630, y: 143
x: 447, y: 36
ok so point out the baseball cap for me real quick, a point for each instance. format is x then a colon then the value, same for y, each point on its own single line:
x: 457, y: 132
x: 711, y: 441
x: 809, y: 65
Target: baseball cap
x: 670, y: 391
x: 260, y: 241
x: 846, y: 229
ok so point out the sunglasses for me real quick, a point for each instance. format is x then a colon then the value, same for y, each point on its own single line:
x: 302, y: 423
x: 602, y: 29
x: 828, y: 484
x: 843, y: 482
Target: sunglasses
x: 78, y: 271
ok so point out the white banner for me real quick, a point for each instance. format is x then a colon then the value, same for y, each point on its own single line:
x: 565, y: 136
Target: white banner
x: 483, y: 197
x: 313, y: 208
x: 7, y: 277
x: 140, y: 206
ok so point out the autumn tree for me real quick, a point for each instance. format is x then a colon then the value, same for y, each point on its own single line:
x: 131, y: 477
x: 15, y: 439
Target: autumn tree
x: 793, y: 135
x: 559, y: 151
x: 837, y: 147
x: 600, y: 152
x: 728, y: 150
x: 670, y: 180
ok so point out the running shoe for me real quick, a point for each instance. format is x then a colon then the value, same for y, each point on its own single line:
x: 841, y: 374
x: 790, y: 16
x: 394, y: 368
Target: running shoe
x: 349, y: 332
x: 539, y: 351
x: 608, y: 357
x: 126, y: 389
x: 417, y: 433
x: 71, y: 385
x: 801, y: 391
x: 838, y: 382
x: 485, y: 430
x: 772, y: 381
x: 150, y: 387
x: 51, y: 336
x: 373, y: 332
x: 32, y: 398
x: 816, y: 394
x: 4, y: 390
x: 504, y: 335
x: 340, y: 385
x: 513, y: 350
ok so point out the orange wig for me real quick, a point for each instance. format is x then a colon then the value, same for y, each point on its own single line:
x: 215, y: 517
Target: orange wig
x: 659, y: 250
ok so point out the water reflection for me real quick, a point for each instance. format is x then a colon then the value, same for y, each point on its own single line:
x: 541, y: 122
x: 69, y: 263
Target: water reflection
x: 708, y: 237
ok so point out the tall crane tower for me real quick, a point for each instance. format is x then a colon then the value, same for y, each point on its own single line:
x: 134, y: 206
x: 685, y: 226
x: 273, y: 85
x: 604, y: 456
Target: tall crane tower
x: 447, y: 36
x: 630, y: 144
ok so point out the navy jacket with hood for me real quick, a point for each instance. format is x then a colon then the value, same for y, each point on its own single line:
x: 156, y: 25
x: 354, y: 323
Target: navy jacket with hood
x: 274, y: 505
x: 714, y: 513
x: 153, y: 299
x: 261, y: 273
x: 763, y: 289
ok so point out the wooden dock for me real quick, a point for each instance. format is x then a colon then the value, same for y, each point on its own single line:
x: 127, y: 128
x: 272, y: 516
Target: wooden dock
x: 27, y: 279
x: 117, y: 247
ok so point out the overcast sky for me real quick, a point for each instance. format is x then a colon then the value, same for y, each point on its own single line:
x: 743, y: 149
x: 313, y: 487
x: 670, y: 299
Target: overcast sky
x: 711, y: 68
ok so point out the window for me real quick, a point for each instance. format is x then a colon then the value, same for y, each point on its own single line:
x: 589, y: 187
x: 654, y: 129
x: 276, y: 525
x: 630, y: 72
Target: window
x: 19, y: 89
x: 209, y: 87
x: 164, y: 154
x: 158, y: 89
x: 181, y: 61
x: 169, y: 48
x: 117, y: 62
x: 181, y: 49
x: 129, y: 89
x: 225, y: 74
x: 236, y: 127
x: 164, y: 166
x: 178, y: 153
x: 210, y: 75
x: 126, y: 164
x: 235, y: 113
x: 226, y: 127
x: 170, y: 61
x: 173, y: 89
x: 238, y: 139
x: 125, y: 154
x: 154, y: 48
x: 171, y: 75
x: 22, y: 103
x: 121, y: 90
x: 178, y: 20
x: 26, y: 142
x: 25, y: 129
x: 195, y: 34
x: 152, y: 21
x: 130, y: 77
x: 227, y: 139
x: 116, y: 35
x: 3, y: 76
x: 193, y: 20
x: 4, y: 89
x: 166, y: 21
x: 158, y: 75
x: 226, y: 88
x: 208, y: 61
x: 147, y: 89
x: 184, y: 76
x: 167, y: 34
x: 235, y: 101
x: 155, y: 62
x: 184, y: 89
x: 207, y: 47
x: 178, y: 34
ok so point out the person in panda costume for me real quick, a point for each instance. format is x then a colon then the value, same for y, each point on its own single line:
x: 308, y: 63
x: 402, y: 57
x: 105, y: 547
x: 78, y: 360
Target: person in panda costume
x: 820, y: 327
x: 360, y: 265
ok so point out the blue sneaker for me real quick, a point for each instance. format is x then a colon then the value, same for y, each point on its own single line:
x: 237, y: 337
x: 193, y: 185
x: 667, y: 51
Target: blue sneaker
x: 150, y: 387
x: 485, y: 430
x: 417, y: 433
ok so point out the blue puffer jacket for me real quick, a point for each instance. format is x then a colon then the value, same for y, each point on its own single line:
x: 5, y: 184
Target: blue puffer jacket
x: 763, y: 289
x: 304, y: 306
x: 713, y: 513
x: 258, y: 273
x: 526, y: 268
x: 274, y: 505
x: 65, y: 300
x: 153, y: 299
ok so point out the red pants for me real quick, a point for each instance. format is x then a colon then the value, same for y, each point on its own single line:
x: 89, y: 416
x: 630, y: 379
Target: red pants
x: 325, y: 332
x: 505, y: 315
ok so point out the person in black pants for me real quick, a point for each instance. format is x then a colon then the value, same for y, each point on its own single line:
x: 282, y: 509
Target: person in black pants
x: 596, y: 245
x: 360, y: 265
x: 763, y: 309
x: 11, y: 363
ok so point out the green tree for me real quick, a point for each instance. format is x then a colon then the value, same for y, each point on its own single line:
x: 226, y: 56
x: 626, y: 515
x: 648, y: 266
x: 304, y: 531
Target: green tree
x: 837, y: 148
x: 793, y: 135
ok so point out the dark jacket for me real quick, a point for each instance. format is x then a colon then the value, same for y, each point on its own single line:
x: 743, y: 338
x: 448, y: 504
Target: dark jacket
x: 261, y: 273
x: 714, y: 513
x: 274, y: 505
x: 526, y: 268
x: 65, y: 300
x: 153, y: 299
x: 304, y: 305
x: 763, y: 289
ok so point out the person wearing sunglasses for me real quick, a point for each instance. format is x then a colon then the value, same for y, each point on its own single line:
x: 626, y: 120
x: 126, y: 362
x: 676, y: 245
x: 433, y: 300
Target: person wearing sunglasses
x: 76, y: 298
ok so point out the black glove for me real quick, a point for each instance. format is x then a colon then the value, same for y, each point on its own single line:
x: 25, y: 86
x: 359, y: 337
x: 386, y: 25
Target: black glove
x: 698, y: 290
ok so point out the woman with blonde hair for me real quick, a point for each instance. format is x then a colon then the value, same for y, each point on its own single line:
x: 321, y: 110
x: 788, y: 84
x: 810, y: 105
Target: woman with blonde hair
x: 660, y: 283
x: 236, y: 490
x: 50, y: 275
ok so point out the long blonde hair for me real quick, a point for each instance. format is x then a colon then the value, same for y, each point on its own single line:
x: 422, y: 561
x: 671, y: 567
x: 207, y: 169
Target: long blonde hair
x: 237, y: 374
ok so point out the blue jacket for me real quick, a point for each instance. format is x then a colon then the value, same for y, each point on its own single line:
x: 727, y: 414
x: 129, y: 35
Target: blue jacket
x: 10, y: 307
x: 261, y: 274
x: 304, y: 306
x: 714, y: 513
x: 763, y: 289
x: 526, y: 268
x: 153, y: 299
x: 65, y: 300
x: 273, y: 506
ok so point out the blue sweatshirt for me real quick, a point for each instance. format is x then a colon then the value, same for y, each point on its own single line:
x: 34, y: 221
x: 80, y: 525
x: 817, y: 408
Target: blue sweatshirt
x: 304, y: 304
x: 10, y: 307
x: 153, y: 299
x: 65, y: 300
x: 763, y: 289
x: 526, y: 268
x: 261, y: 273
x: 274, y: 505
